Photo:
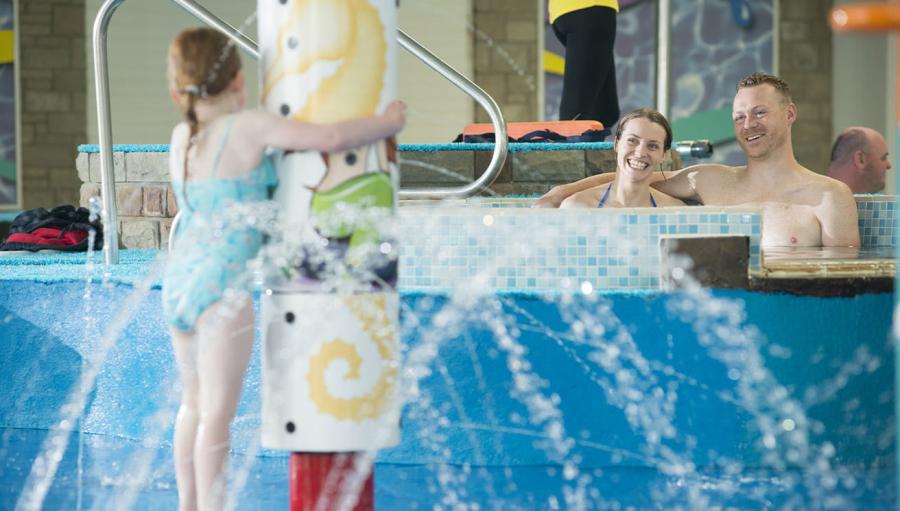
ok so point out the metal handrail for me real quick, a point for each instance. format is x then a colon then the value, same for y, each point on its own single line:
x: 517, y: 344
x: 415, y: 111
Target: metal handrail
x: 483, y: 99
x: 104, y: 120
x: 104, y: 126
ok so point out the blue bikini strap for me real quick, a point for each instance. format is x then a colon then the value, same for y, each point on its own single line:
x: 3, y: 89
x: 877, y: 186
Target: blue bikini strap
x: 230, y: 123
x: 605, y: 195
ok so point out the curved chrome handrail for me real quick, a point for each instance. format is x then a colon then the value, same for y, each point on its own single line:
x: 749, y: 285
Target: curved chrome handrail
x: 104, y: 120
x: 483, y: 99
x: 104, y: 126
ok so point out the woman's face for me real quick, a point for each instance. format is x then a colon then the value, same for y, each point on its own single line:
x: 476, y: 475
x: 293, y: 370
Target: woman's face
x: 640, y: 149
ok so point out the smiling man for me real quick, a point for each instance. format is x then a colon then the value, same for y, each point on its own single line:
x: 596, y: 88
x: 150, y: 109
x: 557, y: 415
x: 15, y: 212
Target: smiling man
x: 799, y: 207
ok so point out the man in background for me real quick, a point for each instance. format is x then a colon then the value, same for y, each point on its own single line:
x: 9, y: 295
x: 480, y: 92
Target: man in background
x: 859, y: 158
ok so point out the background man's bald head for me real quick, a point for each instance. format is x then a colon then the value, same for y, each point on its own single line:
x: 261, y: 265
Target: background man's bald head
x: 848, y: 142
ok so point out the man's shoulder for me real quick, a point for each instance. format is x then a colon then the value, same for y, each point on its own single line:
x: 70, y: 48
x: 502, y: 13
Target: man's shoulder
x: 827, y: 192
x: 825, y: 184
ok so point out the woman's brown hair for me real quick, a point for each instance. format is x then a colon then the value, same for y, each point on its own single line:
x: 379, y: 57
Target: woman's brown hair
x: 651, y: 115
x: 202, y: 63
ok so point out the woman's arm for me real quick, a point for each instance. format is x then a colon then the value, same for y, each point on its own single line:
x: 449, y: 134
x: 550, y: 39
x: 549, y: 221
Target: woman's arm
x: 584, y: 199
x: 559, y: 193
x: 555, y: 197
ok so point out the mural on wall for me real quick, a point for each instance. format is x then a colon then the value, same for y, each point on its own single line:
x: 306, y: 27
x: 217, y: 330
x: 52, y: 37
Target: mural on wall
x: 714, y: 43
x: 8, y: 173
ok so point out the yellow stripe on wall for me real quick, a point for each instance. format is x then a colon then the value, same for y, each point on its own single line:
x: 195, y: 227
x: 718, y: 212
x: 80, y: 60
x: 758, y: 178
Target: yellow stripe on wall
x: 553, y: 63
x: 7, y: 48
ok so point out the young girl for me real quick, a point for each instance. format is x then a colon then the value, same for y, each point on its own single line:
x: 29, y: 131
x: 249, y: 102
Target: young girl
x: 217, y: 164
x: 642, y: 139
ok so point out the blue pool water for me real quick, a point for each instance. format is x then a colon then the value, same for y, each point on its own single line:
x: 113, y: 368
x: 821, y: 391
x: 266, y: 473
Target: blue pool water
x: 469, y: 434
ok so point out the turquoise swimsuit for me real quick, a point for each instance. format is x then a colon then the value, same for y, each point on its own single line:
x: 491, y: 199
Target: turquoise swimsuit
x: 606, y: 194
x: 210, y: 255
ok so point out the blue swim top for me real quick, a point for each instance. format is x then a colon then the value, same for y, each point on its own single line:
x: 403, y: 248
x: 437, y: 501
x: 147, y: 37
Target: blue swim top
x: 210, y: 196
x: 214, y: 239
x: 606, y: 195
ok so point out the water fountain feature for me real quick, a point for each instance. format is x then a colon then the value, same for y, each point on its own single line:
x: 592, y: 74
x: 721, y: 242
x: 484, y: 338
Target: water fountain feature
x: 572, y: 397
x: 582, y: 398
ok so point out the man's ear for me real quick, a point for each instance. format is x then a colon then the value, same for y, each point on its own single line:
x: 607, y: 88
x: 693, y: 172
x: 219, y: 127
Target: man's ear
x: 859, y: 159
x: 791, y: 113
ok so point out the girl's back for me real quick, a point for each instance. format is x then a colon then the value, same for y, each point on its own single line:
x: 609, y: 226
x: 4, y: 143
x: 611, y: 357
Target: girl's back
x: 222, y: 167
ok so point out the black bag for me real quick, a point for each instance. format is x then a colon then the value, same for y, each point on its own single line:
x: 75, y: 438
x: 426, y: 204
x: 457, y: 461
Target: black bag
x: 63, y: 228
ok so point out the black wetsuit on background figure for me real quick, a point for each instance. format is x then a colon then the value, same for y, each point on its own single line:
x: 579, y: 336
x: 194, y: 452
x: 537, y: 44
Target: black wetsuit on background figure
x: 589, y: 80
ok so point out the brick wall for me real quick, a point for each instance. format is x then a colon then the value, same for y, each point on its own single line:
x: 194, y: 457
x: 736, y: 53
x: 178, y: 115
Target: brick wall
x: 804, y: 60
x: 506, y: 56
x: 53, y: 86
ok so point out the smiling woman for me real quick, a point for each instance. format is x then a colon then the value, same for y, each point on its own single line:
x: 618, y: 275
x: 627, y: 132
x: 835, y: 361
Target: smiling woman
x: 642, y: 139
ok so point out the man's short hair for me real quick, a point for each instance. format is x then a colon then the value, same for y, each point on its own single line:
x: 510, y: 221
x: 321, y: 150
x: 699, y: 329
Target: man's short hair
x: 847, y: 143
x: 757, y: 79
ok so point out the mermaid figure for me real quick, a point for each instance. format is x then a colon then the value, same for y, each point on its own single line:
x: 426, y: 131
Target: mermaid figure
x: 219, y: 164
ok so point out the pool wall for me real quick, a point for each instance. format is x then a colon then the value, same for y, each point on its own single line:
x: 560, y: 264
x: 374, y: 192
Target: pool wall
x: 467, y: 410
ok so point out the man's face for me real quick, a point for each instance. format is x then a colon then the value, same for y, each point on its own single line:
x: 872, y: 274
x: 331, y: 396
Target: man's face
x: 877, y: 163
x: 761, y: 119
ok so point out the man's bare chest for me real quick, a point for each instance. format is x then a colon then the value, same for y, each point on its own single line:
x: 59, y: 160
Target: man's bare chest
x: 785, y: 224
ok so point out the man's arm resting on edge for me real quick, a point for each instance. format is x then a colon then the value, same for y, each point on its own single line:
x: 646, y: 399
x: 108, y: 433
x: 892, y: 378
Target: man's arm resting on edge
x: 689, y: 182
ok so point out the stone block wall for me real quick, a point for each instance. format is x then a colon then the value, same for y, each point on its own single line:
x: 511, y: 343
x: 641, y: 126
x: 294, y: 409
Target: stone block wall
x: 507, y: 56
x: 53, y: 84
x: 804, y: 58
x: 525, y: 172
x: 146, y: 204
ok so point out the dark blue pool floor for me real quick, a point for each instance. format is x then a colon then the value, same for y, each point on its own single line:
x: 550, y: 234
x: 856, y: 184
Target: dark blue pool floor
x: 107, y: 475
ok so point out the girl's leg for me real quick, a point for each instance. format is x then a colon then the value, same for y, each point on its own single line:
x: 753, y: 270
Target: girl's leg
x: 225, y: 340
x: 185, y: 348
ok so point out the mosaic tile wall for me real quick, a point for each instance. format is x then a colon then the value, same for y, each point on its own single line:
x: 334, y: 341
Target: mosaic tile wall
x: 505, y: 248
x: 877, y: 222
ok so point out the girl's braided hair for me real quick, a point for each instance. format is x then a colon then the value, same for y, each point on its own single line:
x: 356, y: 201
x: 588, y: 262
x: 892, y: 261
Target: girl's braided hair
x: 202, y: 63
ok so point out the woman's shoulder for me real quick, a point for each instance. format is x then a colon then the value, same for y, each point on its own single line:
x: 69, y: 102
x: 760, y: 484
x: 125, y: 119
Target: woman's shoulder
x: 666, y: 200
x: 588, y: 198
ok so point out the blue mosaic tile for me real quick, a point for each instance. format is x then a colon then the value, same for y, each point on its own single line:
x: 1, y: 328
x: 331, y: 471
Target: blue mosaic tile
x: 877, y: 221
x: 610, y: 249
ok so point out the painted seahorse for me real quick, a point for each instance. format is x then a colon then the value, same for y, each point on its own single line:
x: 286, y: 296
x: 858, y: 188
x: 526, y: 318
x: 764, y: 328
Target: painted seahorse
x: 328, y: 64
x: 329, y: 61
x: 370, y: 311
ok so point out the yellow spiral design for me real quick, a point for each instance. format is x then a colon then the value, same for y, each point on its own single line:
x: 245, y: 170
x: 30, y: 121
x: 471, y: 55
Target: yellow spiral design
x: 349, y: 32
x: 372, y: 315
